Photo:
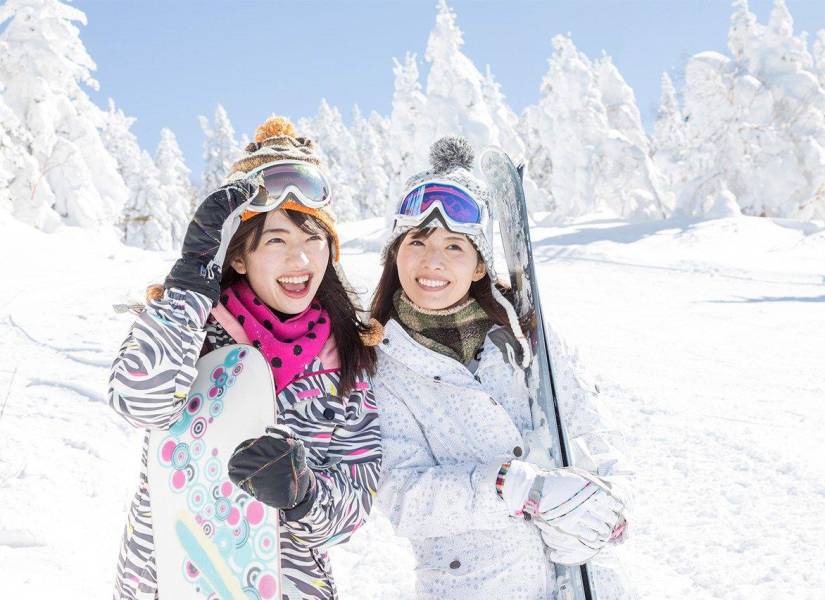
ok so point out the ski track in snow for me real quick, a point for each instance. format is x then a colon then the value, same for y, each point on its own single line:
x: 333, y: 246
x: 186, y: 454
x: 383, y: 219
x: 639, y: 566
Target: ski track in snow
x: 705, y: 338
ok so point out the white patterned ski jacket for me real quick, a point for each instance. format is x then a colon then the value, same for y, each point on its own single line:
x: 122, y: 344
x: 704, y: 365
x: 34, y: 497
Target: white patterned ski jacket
x: 149, y: 381
x: 446, y: 431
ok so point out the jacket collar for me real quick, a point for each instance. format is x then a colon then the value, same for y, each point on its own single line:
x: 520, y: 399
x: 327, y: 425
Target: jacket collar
x: 398, y: 345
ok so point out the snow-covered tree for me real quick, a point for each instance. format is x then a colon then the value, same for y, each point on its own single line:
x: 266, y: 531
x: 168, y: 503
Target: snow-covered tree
x: 174, y: 180
x: 507, y: 126
x: 407, y: 142
x: 220, y: 150
x: 374, y: 191
x: 742, y: 30
x: 619, y: 102
x: 538, y: 159
x: 631, y: 165
x: 669, y: 128
x: 43, y: 66
x: 145, y: 221
x: 599, y: 157
x: 381, y: 126
x: 819, y: 56
x: 460, y: 100
x: 337, y: 149
x: 20, y: 175
x: 755, y: 124
x: 668, y: 146
x: 455, y: 100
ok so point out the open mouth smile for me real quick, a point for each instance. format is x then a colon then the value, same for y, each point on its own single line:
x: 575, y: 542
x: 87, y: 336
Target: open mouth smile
x: 295, y: 286
x: 431, y: 285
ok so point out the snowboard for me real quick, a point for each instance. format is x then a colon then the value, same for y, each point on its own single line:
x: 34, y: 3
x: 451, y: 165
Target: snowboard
x: 505, y: 182
x: 212, y: 540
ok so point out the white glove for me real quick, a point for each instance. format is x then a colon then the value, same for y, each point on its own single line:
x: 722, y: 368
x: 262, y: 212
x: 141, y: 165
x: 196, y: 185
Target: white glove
x: 565, y: 549
x: 572, y: 501
x: 569, y: 550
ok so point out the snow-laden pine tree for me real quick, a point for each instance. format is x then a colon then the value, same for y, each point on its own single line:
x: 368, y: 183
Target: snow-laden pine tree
x: 372, y: 163
x: 508, y: 127
x: 596, y: 166
x: 145, y: 221
x: 337, y: 149
x: 459, y: 99
x: 43, y: 68
x: 174, y: 181
x: 382, y: 128
x: 819, y: 56
x: 407, y: 143
x: 20, y: 175
x: 538, y: 159
x: 619, y: 102
x: 462, y: 101
x: 632, y: 156
x: 668, y: 145
x: 755, y: 124
x: 220, y: 150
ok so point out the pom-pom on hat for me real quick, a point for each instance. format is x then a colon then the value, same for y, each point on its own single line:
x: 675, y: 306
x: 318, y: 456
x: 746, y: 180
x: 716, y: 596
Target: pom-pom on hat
x: 276, y: 139
x: 450, y: 153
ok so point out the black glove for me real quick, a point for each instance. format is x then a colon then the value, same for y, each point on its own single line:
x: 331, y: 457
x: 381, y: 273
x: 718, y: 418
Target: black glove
x: 207, y: 238
x: 273, y: 469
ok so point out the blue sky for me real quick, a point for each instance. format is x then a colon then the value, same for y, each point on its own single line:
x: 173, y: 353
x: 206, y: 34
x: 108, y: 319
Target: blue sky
x: 167, y: 62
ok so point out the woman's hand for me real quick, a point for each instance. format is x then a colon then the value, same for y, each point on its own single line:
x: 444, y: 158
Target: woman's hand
x: 208, y: 236
x: 576, y: 510
x: 566, y: 549
x: 273, y: 469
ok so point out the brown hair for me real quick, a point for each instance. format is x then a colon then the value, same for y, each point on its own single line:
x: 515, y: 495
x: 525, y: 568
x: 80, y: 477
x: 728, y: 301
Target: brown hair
x: 381, y: 307
x: 346, y: 327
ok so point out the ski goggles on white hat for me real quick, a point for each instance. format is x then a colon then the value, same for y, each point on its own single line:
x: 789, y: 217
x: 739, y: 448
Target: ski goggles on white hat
x: 306, y: 182
x: 458, y: 207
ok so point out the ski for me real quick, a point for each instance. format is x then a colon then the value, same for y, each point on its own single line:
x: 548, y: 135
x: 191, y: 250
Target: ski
x: 505, y: 181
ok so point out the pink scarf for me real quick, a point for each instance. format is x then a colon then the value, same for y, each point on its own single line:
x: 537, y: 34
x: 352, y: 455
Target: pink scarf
x: 289, y: 346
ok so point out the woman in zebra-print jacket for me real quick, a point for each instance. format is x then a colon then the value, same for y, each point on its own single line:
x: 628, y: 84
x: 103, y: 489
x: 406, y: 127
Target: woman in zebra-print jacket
x: 279, y: 287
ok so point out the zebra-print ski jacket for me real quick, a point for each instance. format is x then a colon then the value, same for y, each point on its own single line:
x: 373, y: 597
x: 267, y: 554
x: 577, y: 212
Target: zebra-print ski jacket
x: 150, y: 379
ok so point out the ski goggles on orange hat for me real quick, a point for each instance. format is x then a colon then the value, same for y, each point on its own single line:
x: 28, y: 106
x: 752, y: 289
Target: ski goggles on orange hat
x: 459, y: 209
x: 295, y: 180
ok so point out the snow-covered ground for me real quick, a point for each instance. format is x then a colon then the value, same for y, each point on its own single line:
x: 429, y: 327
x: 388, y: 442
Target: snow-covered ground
x: 708, y: 338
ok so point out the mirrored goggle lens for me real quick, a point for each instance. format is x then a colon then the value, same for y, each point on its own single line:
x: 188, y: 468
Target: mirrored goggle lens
x: 457, y: 204
x: 280, y: 179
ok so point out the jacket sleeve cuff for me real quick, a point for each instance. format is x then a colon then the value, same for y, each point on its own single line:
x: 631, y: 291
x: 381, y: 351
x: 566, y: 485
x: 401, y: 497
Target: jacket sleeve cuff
x: 300, y: 510
x: 485, y: 481
x: 187, y: 307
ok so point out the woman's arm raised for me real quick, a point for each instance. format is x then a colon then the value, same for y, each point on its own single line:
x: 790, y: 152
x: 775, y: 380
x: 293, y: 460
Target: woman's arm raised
x: 155, y: 367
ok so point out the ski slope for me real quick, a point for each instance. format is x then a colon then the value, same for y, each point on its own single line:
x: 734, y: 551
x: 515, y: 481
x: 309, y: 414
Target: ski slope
x: 706, y: 336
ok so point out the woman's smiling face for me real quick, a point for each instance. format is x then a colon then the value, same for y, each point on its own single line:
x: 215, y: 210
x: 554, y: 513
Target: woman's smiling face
x: 287, y: 267
x: 436, y: 270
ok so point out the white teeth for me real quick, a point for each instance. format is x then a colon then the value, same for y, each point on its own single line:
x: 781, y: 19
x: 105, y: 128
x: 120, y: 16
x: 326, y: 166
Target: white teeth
x: 433, y: 283
x: 294, y: 280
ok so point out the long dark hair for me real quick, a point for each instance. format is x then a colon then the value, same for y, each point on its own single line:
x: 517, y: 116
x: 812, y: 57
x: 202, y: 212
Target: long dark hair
x: 381, y: 307
x: 347, y: 328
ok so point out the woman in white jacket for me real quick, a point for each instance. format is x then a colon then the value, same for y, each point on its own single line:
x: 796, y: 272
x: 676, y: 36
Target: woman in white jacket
x: 461, y: 478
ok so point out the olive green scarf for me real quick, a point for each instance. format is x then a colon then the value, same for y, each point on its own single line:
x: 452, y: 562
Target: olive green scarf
x: 457, y: 332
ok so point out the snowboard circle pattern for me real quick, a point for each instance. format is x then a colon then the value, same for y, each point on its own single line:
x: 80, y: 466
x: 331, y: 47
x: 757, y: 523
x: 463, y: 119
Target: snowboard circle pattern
x: 232, y: 519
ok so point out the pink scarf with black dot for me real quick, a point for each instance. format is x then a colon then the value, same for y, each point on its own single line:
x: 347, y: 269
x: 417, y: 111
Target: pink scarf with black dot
x: 289, y: 346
